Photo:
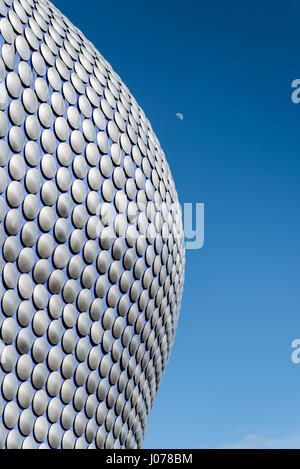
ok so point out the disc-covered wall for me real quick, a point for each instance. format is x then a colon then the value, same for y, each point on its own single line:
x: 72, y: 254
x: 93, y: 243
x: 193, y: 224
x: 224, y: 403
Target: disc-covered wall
x: 92, y: 249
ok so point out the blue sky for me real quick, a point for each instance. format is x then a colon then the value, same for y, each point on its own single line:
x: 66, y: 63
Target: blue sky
x: 227, y: 67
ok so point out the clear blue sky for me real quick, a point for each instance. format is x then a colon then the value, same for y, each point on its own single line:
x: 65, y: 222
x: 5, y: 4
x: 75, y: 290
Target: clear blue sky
x: 227, y: 67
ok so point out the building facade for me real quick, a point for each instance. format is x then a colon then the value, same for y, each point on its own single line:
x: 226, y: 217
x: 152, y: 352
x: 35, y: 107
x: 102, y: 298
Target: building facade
x: 92, y: 249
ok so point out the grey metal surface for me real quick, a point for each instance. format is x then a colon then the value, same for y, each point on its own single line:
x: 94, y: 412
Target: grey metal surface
x: 92, y: 250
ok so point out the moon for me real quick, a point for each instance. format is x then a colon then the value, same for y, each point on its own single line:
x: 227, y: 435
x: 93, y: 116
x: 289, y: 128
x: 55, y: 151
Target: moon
x: 179, y: 116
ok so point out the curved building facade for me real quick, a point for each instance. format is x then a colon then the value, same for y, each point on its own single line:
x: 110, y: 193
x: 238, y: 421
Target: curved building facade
x: 92, y: 249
